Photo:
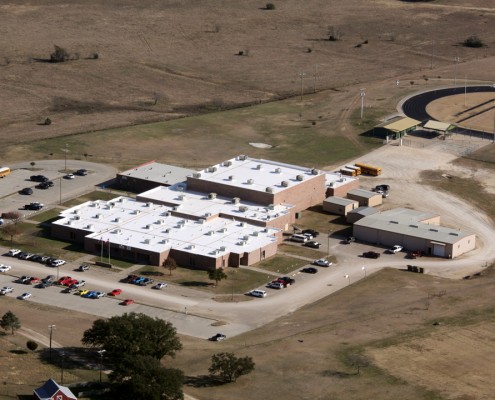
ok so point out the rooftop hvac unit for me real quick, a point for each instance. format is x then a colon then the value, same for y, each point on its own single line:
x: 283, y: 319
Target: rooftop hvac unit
x: 164, y: 241
x: 246, y: 238
x: 222, y: 230
x: 231, y: 177
x: 160, y: 221
x: 242, y: 224
x: 121, y: 199
x: 181, y: 196
x: 111, y: 204
x: 300, y: 177
x: 250, y: 181
x: 214, y: 252
x: 236, y: 200
x: 117, y: 219
x: 269, y: 189
x: 212, y: 196
x: 223, y: 248
x: 271, y: 206
x: 77, y: 217
x: 137, y: 212
x: 258, y: 166
x: 148, y: 226
x: 196, y: 174
x: 241, y: 243
x: 208, y: 214
x: 68, y: 222
x: 166, y: 214
x: 243, y: 208
x: 98, y: 216
x: 265, y: 230
x: 284, y: 183
x: 149, y: 204
x: 212, y: 169
x: 242, y: 157
x: 89, y: 226
x: 331, y: 184
x: 117, y: 231
x: 278, y: 170
x: 175, y: 208
x: 92, y: 204
x: 180, y: 188
x: 191, y: 246
x: 166, y: 230
x: 210, y: 233
x: 147, y: 241
x: 75, y: 211
x: 201, y: 220
x: 314, y: 171
x: 227, y: 163
x: 255, y: 233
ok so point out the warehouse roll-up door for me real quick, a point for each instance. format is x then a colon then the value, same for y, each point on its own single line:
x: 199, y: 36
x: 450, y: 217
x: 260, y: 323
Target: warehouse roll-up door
x: 438, y: 249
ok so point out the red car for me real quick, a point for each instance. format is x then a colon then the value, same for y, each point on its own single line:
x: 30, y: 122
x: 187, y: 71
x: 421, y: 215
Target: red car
x: 34, y: 280
x: 64, y: 279
x: 127, y: 302
x: 115, y: 292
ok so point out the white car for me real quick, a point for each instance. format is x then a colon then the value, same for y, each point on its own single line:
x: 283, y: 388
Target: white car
x: 80, y: 283
x: 276, y: 285
x: 395, y: 249
x: 5, y: 268
x: 57, y: 263
x: 69, y: 176
x: 13, y: 252
x: 322, y: 262
x: 25, y: 296
x: 160, y: 285
x: 257, y: 293
x: 100, y: 294
x: 6, y: 289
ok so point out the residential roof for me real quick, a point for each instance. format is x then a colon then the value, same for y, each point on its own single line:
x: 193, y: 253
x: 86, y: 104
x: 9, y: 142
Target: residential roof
x: 151, y: 227
x: 160, y: 173
x: 403, y: 225
x: 367, y: 194
x: 438, y: 126
x: 340, y: 201
x: 402, y: 124
x: 257, y: 174
x: 50, y: 388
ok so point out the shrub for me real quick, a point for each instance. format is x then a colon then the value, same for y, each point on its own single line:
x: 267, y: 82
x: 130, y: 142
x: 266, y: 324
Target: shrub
x: 473, y: 41
x: 48, y: 121
x: 59, y: 55
x: 270, y: 6
x: 31, y: 345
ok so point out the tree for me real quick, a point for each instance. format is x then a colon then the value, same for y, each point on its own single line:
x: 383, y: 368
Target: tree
x: 10, y: 321
x: 11, y: 230
x: 133, y: 334
x: 216, y: 275
x: 229, y: 367
x: 59, y: 55
x: 142, y: 377
x: 473, y: 41
x: 31, y: 345
x: 358, y: 361
x: 170, y: 264
x: 32, y: 164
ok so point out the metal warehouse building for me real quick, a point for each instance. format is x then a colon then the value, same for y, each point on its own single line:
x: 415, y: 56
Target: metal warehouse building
x: 414, y: 231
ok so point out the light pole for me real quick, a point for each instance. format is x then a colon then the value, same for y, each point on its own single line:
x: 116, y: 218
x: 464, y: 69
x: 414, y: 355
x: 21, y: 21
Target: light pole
x: 456, y: 61
x: 101, y: 352
x: 364, y: 270
x: 348, y: 279
x: 362, y: 93
x: 50, y: 328
x: 301, y: 76
x: 328, y: 237
x: 65, y: 151
x: 397, y: 83
x: 62, y: 368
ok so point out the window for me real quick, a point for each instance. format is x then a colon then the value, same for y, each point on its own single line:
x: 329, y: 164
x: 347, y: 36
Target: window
x: 60, y: 397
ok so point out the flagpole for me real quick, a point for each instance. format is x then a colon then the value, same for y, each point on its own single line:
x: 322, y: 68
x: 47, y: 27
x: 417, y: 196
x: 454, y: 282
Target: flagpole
x: 101, y: 245
x: 108, y: 250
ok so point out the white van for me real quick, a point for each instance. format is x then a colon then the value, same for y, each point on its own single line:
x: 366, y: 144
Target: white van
x: 299, y: 238
x: 258, y: 293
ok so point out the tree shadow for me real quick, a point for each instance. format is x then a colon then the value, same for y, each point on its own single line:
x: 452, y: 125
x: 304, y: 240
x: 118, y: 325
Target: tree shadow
x: 18, y: 351
x: 203, y: 381
x: 196, y: 284
x: 338, y: 374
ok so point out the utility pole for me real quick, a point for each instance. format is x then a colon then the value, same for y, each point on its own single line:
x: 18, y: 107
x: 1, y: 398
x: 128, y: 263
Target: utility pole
x: 301, y: 76
x: 314, y: 77
x: 101, y: 352
x: 431, y: 60
x: 65, y: 151
x: 456, y: 61
x: 50, y: 328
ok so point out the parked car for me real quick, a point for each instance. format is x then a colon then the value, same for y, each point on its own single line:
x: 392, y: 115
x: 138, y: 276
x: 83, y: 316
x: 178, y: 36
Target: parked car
x: 49, y: 278
x: 6, y: 289
x: 313, y: 244
x: 257, y: 293
x: 82, y: 172
x: 127, y: 302
x: 311, y: 232
x: 79, y: 284
x: 57, y: 263
x: 26, y: 256
x: 275, y: 285
x: 34, y: 206
x: 349, y: 239
x: 70, y: 289
x: 371, y: 254
x: 26, y: 191
x: 43, y: 259
x: 100, y: 294
x: 5, y: 268
x: 83, y: 292
x: 43, y: 186
x: 44, y: 285
x: 145, y: 281
x: 322, y: 262
x: 39, y: 178
x: 25, y: 296
x: 395, y: 249
x: 115, y: 292
x: 298, y: 237
x: 24, y: 279
x: 69, y: 176
x: 33, y: 281
x: 90, y: 294
x: 218, y: 337
x: 13, y: 252
x: 383, y: 188
x: 288, y: 281
x: 63, y: 280
x: 129, y: 278
x: 83, y: 268
x: 160, y: 285
x: 310, y: 270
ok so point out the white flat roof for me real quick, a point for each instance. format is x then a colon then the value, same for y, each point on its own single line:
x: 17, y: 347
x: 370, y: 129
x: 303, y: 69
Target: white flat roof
x: 160, y: 173
x: 129, y: 223
x: 200, y: 205
x: 336, y: 179
x: 256, y: 174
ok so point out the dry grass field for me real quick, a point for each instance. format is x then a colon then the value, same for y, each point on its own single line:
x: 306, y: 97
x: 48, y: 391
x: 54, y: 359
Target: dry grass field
x: 160, y: 60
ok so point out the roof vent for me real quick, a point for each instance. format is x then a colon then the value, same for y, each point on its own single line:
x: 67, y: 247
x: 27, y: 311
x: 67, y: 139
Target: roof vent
x: 77, y: 217
x: 231, y: 178
x: 300, y: 177
x: 227, y: 163
x: 212, y: 169
x: 269, y: 189
x: 236, y: 200
x: 271, y: 206
x: 212, y: 196
x: 242, y: 157
x: 181, y: 196
x: 250, y: 181
x: 258, y: 166
x: 223, y: 248
x: 284, y: 183
x: 243, y: 208
x: 196, y: 174
x: 278, y: 170
x: 314, y: 171
x: 137, y: 212
x: 89, y: 226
